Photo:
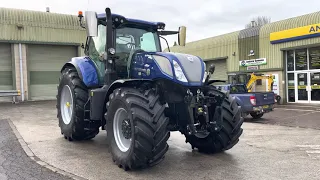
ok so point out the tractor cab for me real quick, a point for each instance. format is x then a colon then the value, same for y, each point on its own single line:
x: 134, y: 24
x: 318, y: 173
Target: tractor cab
x: 122, y: 40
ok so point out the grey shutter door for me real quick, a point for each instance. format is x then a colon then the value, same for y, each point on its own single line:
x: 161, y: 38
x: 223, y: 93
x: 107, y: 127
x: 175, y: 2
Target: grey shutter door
x: 220, y: 72
x: 44, y: 65
x: 6, y: 78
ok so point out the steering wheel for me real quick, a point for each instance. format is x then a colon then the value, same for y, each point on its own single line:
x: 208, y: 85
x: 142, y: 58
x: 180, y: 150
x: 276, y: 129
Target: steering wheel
x: 130, y: 45
x: 132, y: 53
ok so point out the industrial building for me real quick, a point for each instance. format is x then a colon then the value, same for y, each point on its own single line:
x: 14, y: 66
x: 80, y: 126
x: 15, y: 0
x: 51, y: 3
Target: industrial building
x: 34, y: 45
x: 288, y: 49
x: 33, y: 48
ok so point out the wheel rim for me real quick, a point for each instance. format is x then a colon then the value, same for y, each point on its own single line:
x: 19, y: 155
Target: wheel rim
x: 122, y: 129
x: 66, y: 104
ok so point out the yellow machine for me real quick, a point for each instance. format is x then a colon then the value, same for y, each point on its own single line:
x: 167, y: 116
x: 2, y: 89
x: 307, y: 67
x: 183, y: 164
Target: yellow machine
x: 254, y: 78
x: 250, y: 79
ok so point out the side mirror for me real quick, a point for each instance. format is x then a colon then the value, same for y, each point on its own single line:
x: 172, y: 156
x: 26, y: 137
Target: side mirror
x: 212, y: 68
x: 182, y: 36
x: 91, y: 23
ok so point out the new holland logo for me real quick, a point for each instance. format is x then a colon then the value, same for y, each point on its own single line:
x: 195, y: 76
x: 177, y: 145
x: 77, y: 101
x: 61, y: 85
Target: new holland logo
x: 190, y: 58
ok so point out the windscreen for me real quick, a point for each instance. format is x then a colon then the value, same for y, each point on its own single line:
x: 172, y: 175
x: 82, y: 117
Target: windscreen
x: 237, y: 89
x: 128, y: 39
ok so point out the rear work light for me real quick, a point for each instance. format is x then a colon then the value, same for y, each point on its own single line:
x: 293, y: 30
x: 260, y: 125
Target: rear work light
x: 253, y: 100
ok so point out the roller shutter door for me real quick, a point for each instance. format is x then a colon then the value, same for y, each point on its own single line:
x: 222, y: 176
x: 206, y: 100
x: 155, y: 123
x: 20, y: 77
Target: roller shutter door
x: 6, y: 81
x: 44, y: 64
x: 220, y: 72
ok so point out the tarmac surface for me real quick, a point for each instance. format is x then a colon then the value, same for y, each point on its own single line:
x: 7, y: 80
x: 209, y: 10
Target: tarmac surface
x: 264, y: 152
x: 14, y: 162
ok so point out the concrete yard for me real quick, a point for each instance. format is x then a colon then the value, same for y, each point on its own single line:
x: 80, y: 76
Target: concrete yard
x: 264, y: 152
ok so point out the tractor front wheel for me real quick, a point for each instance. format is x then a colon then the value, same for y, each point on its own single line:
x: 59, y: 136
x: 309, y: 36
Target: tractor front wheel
x: 137, y: 128
x: 71, y: 98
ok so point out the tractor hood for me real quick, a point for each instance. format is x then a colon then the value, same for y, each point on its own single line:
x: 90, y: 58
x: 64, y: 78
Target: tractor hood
x: 193, y: 67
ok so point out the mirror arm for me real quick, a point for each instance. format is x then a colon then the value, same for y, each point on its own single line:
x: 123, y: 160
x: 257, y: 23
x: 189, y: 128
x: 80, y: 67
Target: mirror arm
x: 166, y: 42
x: 81, y: 22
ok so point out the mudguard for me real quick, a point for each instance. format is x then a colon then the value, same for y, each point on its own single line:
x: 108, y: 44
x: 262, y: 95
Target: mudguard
x: 100, y: 96
x: 86, y: 70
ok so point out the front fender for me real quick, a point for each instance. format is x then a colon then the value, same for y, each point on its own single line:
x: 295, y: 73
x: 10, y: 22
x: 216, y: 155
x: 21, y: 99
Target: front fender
x: 86, y: 69
x: 100, y: 96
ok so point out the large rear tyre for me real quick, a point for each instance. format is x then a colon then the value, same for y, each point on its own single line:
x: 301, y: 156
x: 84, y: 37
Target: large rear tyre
x: 71, y: 98
x: 229, y: 115
x: 137, y: 128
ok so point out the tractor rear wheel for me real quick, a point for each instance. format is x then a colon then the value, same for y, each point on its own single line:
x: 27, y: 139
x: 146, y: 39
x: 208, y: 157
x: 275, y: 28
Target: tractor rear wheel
x: 137, y: 128
x: 229, y: 115
x: 71, y: 98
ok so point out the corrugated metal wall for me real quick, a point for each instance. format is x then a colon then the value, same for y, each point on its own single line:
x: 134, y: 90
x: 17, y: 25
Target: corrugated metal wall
x: 248, y: 40
x: 6, y: 78
x: 40, y: 27
x: 215, y: 47
x: 272, y: 51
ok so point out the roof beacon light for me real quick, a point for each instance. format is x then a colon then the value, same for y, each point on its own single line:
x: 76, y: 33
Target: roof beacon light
x: 80, y: 14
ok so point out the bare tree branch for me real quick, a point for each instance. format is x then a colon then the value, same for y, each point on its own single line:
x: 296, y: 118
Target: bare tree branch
x: 258, y: 21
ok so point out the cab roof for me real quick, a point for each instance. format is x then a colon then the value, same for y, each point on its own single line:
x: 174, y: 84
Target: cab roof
x: 135, y: 22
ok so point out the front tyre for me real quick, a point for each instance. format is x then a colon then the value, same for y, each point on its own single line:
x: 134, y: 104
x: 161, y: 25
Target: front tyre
x: 229, y: 115
x: 72, y: 95
x: 137, y: 128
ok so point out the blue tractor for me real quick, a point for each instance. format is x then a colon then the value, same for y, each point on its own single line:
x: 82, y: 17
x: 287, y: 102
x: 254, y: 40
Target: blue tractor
x: 127, y: 86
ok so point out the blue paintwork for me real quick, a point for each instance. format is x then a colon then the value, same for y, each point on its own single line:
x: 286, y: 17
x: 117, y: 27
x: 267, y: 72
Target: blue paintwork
x: 90, y: 74
x: 87, y: 70
x: 243, y: 98
x: 151, y: 24
x: 144, y: 58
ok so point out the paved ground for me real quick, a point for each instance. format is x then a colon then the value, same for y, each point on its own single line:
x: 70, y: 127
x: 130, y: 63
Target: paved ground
x: 304, y: 116
x: 264, y: 152
x: 15, y: 164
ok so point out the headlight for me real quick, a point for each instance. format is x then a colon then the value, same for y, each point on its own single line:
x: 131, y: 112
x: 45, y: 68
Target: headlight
x: 204, y: 76
x: 178, y: 72
x: 164, y: 64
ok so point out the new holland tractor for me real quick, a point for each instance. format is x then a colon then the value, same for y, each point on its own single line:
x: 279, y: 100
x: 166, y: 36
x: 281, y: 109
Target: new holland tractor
x: 127, y: 86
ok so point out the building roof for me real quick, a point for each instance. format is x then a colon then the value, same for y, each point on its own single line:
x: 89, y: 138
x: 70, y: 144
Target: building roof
x: 39, y: 27
x: 263, y: 31
x: 303, y: 20
x: 38, y: 18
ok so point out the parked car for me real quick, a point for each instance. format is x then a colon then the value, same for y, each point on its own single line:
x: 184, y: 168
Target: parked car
x: 254, y: 103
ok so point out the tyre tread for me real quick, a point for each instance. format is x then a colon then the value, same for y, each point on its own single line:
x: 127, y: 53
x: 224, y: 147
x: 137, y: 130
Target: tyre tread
x: 149, y: 127
x: 79, y: 130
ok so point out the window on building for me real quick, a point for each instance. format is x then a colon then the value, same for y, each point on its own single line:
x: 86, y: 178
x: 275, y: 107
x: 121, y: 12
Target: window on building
x: 290, y: 61
x: 291, y: 92
x: 314, y: 58
x: 259, y: 82
x: 301, y: 59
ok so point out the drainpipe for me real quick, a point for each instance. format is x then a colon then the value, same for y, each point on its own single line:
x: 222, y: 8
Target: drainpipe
x: 21, y: 73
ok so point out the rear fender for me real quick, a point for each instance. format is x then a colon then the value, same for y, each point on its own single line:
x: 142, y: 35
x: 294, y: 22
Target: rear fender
x: 100, y: 96
x: 86, y: 69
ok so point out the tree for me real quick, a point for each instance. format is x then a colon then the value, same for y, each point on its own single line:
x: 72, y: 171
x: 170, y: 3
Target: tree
x: 258, y: 21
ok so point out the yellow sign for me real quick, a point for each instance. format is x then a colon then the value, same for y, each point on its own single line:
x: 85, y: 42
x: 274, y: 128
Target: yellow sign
x: 303, y: 32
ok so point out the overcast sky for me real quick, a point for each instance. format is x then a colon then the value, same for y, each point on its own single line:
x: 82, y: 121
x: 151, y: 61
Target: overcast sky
x: 203, y: 18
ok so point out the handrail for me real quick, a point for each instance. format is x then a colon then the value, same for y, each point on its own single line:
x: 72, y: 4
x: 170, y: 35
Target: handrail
x: 8, y: 93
